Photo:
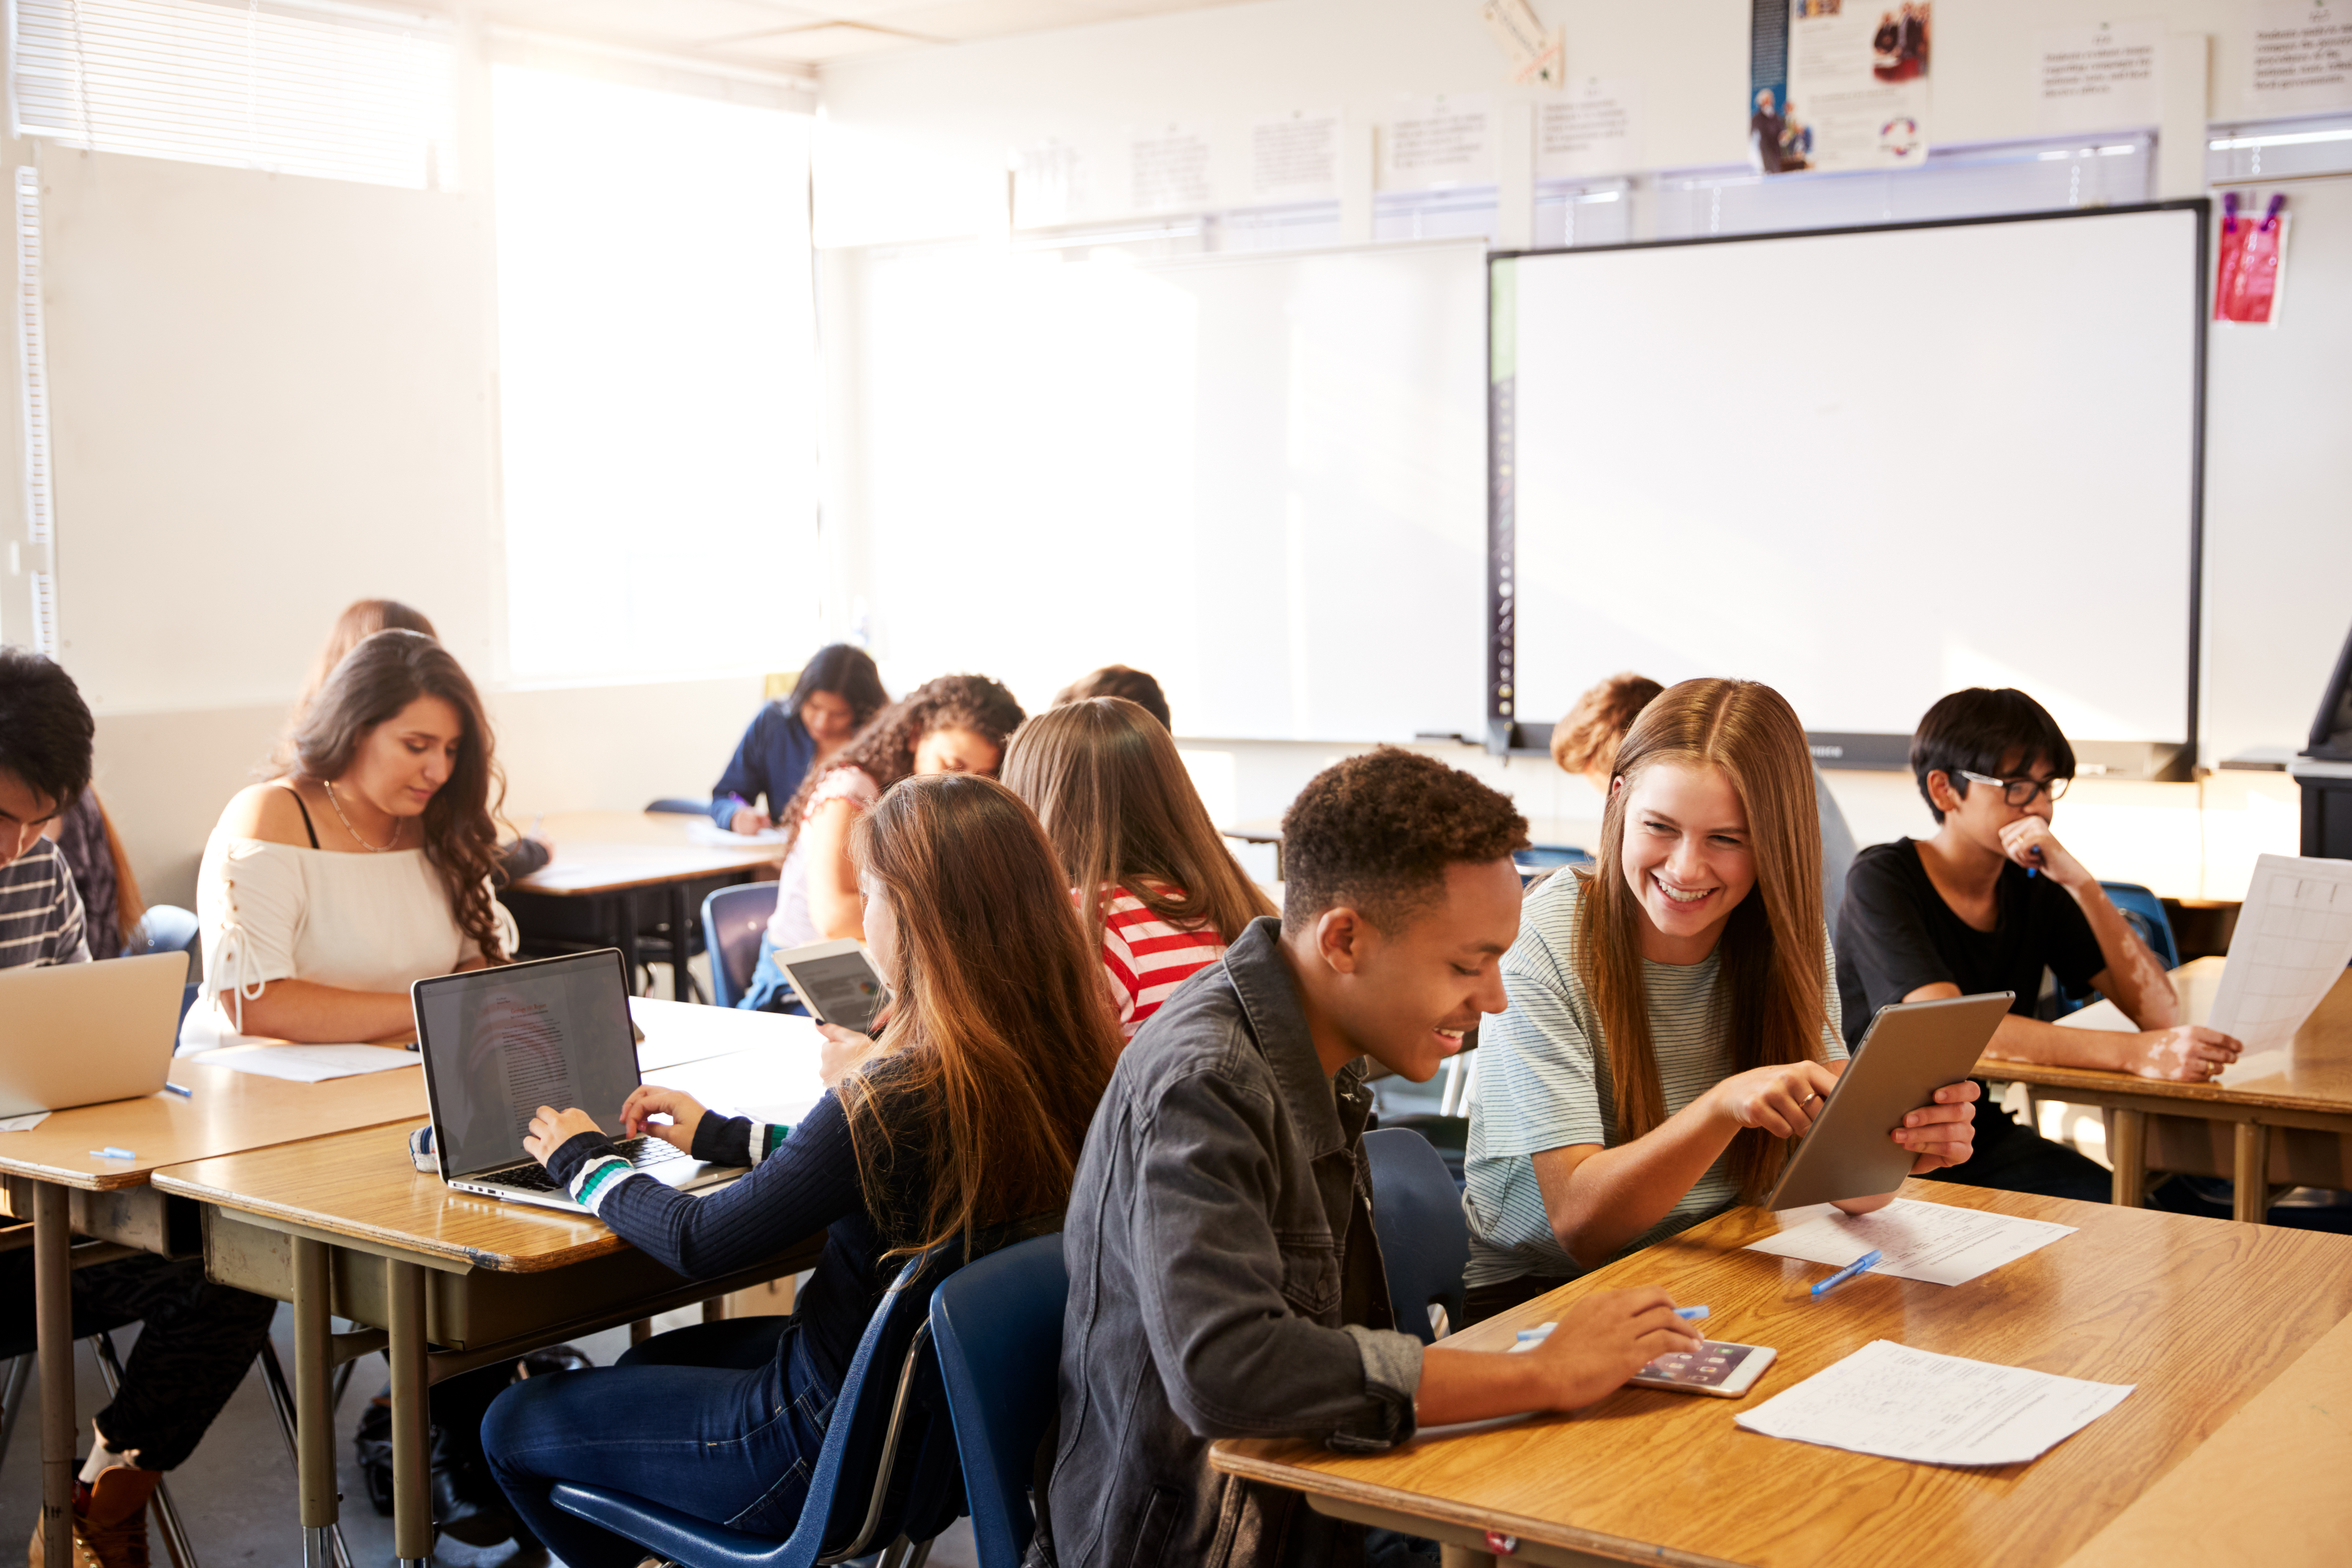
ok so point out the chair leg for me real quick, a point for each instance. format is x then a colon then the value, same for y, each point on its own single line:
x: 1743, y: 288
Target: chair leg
x: 1450, y: 1094
x: 12, y: 1400
x: 281, y: 1401
x: 167, y: 1513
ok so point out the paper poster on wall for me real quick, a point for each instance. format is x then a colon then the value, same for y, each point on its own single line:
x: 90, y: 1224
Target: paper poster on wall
x: 1535, y: 55
x: 1838, y: 84
x: 2301, y: 58
x: 1168, y: 166
x: 1439, y: 141
x: 1594, y: 127
x: 2249, y: 283
x: 2100, y: 78
x: 1049, y: 184
x: 1294, y: 157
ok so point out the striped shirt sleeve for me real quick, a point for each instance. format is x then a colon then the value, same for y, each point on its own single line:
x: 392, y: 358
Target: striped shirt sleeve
x: 40, y: 912
x: 1146, y: 958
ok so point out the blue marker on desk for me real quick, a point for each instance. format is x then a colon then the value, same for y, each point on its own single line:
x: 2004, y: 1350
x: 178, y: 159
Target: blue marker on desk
x: 181, y: 1090
x: 1860, y: 1265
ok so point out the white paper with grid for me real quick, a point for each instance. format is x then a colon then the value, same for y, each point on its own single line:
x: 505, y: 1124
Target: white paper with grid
x: 2294, y: 939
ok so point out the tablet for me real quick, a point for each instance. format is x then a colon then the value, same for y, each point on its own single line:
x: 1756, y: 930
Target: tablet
x: 838, y: 982
x: 1912, y: 1050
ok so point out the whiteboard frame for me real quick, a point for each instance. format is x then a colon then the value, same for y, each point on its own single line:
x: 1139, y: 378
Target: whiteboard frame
x: 1507, y: 733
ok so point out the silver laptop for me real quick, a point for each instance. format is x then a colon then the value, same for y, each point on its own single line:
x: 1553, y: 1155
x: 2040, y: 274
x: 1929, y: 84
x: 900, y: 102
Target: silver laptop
x: 82, y: 1034
x: 499, y: 1043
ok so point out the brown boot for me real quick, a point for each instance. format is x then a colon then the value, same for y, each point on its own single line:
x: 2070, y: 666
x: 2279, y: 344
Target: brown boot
x: 109, y: 1520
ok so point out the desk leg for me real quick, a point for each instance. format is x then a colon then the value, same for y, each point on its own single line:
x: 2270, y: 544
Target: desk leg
x: 411, y: 1503
x: 314, y: 1418
x: 682, y: 916
x: 625, y: 932
x: 53, y: 1329
x: 2127, y: 1150
x: 2251, y: 1172
x: 1451, y: 1556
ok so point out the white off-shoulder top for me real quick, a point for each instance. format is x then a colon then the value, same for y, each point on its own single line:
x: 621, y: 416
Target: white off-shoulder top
x: 285, y: 912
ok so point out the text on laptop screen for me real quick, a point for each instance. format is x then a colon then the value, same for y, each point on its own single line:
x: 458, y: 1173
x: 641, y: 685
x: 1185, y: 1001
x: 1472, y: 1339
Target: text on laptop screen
x: 504, y: 1042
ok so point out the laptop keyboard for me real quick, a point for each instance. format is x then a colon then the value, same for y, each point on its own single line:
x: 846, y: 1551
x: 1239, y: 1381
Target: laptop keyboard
x: 640, y: 1152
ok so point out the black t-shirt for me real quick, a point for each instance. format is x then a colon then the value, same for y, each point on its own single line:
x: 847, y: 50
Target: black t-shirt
x: 1896, y: 934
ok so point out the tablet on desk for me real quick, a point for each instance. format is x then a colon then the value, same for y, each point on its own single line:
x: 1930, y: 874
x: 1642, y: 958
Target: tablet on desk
x: 838, y: 982
x: 1912, y: 1050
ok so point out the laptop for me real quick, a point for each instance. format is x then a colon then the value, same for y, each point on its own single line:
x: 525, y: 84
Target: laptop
x: 82, y: 1034
x: 499, y: 1043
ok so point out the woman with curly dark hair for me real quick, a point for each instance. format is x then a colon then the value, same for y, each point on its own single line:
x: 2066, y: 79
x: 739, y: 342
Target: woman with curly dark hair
x: 364, y: 866
x: 955, y: 724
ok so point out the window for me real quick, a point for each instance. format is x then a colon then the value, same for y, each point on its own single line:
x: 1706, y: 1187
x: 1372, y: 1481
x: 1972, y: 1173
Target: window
x: 657, y: 353
x: 349, y: 92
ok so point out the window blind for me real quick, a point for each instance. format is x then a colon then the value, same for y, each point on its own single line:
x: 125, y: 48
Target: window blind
x: 345, y: 92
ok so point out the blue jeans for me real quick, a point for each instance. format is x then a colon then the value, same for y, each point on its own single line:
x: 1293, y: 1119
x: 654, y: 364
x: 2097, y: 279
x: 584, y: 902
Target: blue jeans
x: 709, y: 1419
x: 767, y: 991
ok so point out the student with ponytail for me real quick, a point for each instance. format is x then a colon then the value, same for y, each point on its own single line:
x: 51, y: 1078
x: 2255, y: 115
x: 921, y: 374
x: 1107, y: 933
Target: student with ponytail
x: 1673, y: 1012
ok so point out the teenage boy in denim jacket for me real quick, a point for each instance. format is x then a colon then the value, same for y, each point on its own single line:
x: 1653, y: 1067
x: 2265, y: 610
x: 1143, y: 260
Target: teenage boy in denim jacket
x: 1224, y: 1281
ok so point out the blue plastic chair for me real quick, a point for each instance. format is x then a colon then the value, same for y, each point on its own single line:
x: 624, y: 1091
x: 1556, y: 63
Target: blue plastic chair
x: 679, y: 806
x: 1417, y: 1215
x: 2145, y: 913
x: 733, y: 919
x: 164, y: 928
x: 886, y: 1471
x: 997, y: 1327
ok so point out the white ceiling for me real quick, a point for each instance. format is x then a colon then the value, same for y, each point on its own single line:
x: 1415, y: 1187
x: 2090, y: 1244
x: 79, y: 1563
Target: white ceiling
x: 774, y: 33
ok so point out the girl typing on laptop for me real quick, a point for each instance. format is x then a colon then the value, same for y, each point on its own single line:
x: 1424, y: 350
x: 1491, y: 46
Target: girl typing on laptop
x: 966, y: 1124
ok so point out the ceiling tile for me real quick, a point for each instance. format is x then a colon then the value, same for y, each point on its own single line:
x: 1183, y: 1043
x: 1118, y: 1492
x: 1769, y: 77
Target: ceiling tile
x: 814, y: 45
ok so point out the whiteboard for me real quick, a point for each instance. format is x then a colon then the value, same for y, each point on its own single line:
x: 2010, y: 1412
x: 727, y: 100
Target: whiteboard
x: 1260, y: 477
x: 1868, y: 468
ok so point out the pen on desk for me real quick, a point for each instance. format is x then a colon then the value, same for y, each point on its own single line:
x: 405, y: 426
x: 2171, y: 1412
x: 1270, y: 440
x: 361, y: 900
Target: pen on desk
x: 1688, y: 1315
x: 112, y: 1153
x: 181, y: 1090
x: 1860, y: 1265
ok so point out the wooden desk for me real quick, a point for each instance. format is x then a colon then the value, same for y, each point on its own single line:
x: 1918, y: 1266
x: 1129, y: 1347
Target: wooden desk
x: 1543, y: 833
x: 2202, y: 1315
x: 345, y: 1226
x: 51, y: 1178
x: 2307, y: 1103
x: 612, y: 871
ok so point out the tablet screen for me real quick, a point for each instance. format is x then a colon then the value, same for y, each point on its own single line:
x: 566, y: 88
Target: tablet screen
x: 842, y: 988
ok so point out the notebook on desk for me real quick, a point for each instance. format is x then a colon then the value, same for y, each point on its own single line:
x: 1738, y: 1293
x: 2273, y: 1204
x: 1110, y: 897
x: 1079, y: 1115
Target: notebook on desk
x: 499, y: 1043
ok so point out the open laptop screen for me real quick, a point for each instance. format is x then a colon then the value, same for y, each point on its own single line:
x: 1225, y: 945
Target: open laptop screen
x: 499, y: 1043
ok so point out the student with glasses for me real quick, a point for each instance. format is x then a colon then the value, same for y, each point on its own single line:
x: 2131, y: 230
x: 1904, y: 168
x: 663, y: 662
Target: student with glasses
x: 1989, y: 902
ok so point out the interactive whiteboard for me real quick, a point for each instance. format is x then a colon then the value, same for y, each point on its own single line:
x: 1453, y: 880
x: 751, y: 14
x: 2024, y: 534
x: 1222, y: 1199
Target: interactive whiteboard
x: 1866, y: 466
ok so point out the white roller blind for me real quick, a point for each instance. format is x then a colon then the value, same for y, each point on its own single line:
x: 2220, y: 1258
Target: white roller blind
x: 345, y: 92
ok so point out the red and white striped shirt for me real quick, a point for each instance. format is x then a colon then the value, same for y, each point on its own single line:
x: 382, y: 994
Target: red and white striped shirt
x: 1147, y: 958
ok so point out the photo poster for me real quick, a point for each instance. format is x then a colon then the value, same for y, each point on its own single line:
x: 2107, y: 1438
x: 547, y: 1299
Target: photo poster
x: 1838, y: 84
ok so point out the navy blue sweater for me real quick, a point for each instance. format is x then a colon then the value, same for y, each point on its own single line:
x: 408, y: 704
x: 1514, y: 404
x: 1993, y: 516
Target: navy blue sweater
x: 772, y: 758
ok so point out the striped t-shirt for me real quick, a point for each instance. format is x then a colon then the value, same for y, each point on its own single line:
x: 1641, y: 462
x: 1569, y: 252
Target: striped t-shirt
x: 1147, y: 958
x: 1543, y: 1083
x: 41, y: 912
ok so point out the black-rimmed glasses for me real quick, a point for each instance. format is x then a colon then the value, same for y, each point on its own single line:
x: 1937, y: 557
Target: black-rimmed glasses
x: 2021, y: 792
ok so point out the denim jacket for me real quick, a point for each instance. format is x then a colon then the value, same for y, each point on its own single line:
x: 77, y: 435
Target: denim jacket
x: 1225, y: 1282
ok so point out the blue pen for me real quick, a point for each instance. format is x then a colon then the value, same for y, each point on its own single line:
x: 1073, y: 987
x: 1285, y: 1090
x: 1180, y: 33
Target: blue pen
x: 112, y: 1153
x: 1860, y: 1265
x: 181, y: 1090
x: 1688, y: 1315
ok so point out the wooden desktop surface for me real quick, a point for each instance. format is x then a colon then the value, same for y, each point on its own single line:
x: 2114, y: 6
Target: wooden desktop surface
x: 2202, y: 1315
x: 1577, y: 833
x: 608, y: 852
x: 681, y: 1032
x: 230, y: 1111
x: 2316, y: 1076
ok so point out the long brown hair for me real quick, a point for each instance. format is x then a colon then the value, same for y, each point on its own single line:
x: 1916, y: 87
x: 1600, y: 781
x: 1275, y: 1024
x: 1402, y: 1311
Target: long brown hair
x: 1003, y: 1036
x: 1771, y: 985
x: 1115, y: 800
x: 360, y: 619
x: 885, y: 749
x: 378, y: 678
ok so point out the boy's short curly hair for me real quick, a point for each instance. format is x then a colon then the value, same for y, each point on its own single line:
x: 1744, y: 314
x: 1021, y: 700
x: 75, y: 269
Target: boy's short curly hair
x: 1376, y: 832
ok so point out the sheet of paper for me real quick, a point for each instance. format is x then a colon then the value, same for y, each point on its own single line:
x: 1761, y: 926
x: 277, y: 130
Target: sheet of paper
x: 703, y: 831
x: 24, y: 1124
x: 2293, y: 938
x: 307, y: 1063
x: 1904, y: 1404
x: 1936, y: 1242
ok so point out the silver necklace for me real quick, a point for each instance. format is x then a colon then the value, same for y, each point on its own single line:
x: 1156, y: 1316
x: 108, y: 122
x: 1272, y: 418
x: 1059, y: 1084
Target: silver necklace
x: 372, y: 849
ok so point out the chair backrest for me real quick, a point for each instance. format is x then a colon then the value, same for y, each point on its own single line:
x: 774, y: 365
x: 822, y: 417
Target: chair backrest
x: 2145, y: 912
x: 1417, y: 1214
x: 164, y: 928
x: 997, y: 1328
x: 733, y: 919
x: 679, y: 806
x: 859, y: 1495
